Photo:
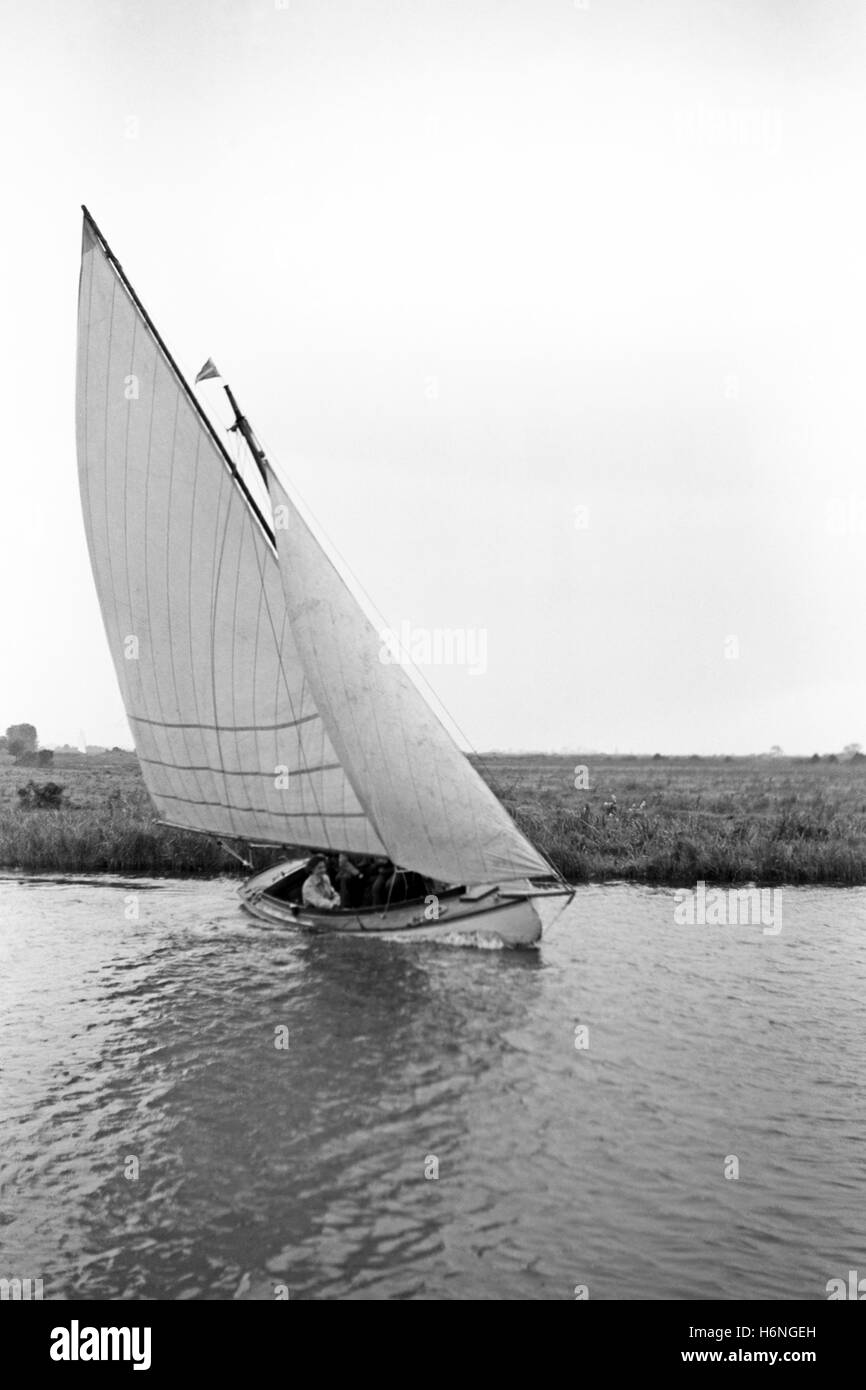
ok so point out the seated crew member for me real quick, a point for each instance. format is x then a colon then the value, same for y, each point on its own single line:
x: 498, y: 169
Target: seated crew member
x: 382, y: 877
x: 405, y: 886
x: 416, y: 886
x: 348, y: 881
x: 397, y: 890
x: 317, y: 890
x: 364, y: 888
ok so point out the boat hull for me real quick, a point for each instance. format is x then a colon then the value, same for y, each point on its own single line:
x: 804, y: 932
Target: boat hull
x: 491, y: 920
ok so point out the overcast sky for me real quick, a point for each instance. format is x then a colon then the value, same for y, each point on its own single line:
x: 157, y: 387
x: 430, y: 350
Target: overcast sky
x: 554, y: 314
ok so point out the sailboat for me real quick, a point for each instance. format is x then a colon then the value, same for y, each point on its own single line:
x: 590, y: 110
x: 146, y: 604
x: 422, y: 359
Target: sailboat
x: 261, y: 708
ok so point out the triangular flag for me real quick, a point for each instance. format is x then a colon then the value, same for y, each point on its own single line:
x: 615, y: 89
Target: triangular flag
x: 208, y: 370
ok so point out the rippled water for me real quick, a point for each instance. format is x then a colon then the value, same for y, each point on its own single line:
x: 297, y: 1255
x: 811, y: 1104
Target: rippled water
x: 154, y: 1039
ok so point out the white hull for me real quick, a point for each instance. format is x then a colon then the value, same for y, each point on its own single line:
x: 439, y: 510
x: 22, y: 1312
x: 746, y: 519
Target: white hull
x: 492, y: 920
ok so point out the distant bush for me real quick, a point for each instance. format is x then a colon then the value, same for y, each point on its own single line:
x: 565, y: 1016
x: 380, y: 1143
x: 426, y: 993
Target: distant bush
x: 45, y: 797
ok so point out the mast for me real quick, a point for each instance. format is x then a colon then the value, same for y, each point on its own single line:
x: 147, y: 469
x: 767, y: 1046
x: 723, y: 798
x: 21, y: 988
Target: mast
x: 243, y: 425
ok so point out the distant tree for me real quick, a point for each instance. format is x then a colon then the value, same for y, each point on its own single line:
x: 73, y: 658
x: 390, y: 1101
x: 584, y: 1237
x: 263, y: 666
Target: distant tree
x: 21, y: 738
x: 815, y: 758
x: 776, y: 752
x: 832, y: 758
x: 656, y: 757
x: 852, y: 749
x: 45, y: 757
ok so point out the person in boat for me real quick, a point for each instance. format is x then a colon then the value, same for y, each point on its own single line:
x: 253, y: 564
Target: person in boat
x: 384, y: 871
x: 393, y: 886
x: 318, y: 890
x: 397, y: 890
x: 405, y: 886
x: 417, y: 886
x: 348, y: 880
x: 363, y: 887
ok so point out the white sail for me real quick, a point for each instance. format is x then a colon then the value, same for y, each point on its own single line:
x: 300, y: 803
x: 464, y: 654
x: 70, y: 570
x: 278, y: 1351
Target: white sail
x: 225, y: 723
x: 431, y: 809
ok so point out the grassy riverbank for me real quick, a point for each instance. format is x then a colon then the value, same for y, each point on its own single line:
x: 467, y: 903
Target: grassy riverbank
x: 667, y: 820
x: 677, y: 820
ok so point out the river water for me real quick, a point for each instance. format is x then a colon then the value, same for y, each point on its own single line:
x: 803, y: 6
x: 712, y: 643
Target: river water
x: 195, y: 1105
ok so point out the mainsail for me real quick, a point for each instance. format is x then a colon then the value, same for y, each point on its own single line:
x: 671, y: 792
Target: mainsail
x: 223, y: 718
x: 252, y: 679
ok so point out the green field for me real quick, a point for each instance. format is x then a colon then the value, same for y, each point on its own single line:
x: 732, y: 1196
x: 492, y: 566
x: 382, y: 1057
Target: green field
x: 652, y: 820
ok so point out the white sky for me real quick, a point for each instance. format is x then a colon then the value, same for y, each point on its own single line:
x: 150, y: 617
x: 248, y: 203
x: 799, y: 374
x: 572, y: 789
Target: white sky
x: 626, y: 245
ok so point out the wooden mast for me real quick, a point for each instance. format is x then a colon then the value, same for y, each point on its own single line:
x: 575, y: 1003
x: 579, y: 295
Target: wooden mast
x: 243, y: 425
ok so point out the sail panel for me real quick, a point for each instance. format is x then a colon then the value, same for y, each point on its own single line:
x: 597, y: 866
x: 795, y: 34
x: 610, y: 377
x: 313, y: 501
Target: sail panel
x: 433, y: 811
x: 223, y: 718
